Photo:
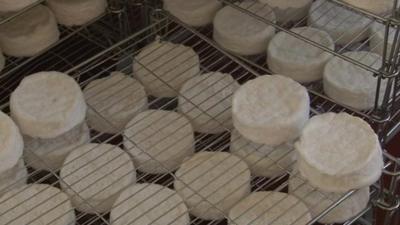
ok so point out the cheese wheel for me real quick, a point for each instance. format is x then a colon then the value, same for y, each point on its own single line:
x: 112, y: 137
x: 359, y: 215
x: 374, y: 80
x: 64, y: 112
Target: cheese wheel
x: 288, y: 10
x: 47, y: 104
x: 163, y: 67
x: 2, y: 61
x: 351, y: 85
x: 295, y: 58
x: 339, y: 152
x: 49, y: 154
x: 113, y: 102
x: 11, y: 143
x: 77, y: 12
x: 159, y: 140
x: 15, y: 5
x: 211, y: 183
x: 269, y: 208
x: 378, y: 7
x: 343, y: 25
x: 263, y: 160
x: 271, y: 110
x: 13, y: 178
x: 206, y: 100
x: 94, y: 175
x: 318, y: 201
x: 36, y: 204
x: 377, y: 34
x: 30, y: 33
x: 193, y: 12
x: 243, y: 34
x: 148, y: 204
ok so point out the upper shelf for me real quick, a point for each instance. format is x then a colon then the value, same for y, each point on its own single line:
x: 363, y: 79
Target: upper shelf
x: 351, y: 28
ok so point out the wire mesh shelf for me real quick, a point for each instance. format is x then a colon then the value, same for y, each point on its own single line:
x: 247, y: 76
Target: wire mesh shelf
x: 118, y: 57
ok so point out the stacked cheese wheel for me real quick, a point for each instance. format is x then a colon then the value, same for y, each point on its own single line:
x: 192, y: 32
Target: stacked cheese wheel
x: 49, y: 108
x: 114, y: 101
x: 163, y: 67
x: 159, y: 140
x: 339, y: 152
x: 30, y: 33
x: 351, y: 85
x: 241, y: 33
x: 12, y: 169
x: 297, y: 59
x: 343, y: 25
x: 258, y: 116
x: 94, y: 175
x: 377, y: 39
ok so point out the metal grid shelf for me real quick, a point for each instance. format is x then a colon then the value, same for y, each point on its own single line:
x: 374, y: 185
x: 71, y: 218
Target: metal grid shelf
x: 119, y: 57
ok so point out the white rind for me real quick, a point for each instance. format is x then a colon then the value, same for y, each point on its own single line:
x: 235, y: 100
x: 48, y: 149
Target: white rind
x: 163, y: 67
x: 77, y: 12
x: 339, y: 152
x: 13, y: 178
x: 242, y: 34
x: 14, y: 5
x: 113, y: 101
x: 269, y: 208
x: 11, y: 143
x: 271, y: 110
x: 352, y: 85
x: 159, y: 140
x: 94, y: 175
x: 47, y: 104
x: 149, y: 204
x: 206, y: 101
x: 195, y: 13
x: 292, y: 57
x: 377, y: 39
x: 36, y: 204
x: 263, y: 160
x: 49, y: 154
x: 2, y: 61
x: 288, y: 10
x: 211, y: 183
x: 318, y: 201
x: 343, y: 25
x: 30, y: 33
x: 380, y: 7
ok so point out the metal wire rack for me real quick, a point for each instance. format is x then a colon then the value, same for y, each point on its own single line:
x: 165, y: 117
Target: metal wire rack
x: 107, y: 55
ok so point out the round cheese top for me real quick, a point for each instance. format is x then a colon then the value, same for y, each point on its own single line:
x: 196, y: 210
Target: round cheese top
x: 149, y: 204
x: 269, y: 99
x: 291, y: 49
x: 36, y: 204
x: 27, y: 22
x: 337, y: 144
x: 47, y: 104
x: 346, y: 75
x: 231, y: 21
